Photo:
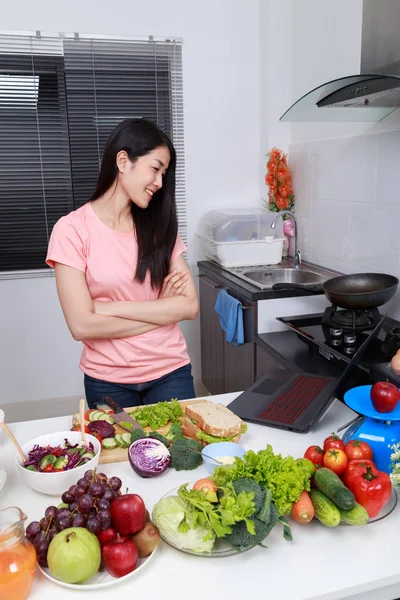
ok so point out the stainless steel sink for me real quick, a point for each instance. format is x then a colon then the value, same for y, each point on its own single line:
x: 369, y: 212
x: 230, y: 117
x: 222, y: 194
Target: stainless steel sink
x: 266, y: 277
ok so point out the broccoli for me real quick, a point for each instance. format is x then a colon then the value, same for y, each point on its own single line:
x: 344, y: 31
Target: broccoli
x: 245, y: 484
x: 185, y: 454
x: 160, y: 437
x: 264, y: 520
x: 174, y: 432
x: 241, y: 539
x: 137, y: 434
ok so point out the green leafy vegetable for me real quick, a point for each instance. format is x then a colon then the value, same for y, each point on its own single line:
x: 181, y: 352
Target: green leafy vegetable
x: 220, y: 517
x: 210, y: 439
x: 285, y: 477
x: 177, y: 526
x: 157, y: 415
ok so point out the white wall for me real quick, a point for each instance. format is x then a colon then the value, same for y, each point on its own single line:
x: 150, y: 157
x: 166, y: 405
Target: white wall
x: 345, y: 174
x: 38, y: 359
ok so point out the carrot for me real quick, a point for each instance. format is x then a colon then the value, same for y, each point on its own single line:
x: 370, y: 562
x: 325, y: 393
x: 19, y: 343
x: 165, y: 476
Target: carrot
x: 303, y: 510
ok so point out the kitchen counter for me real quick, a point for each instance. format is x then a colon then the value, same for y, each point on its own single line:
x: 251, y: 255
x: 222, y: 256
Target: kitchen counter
x: 345, y: 562
x: 252, y: 292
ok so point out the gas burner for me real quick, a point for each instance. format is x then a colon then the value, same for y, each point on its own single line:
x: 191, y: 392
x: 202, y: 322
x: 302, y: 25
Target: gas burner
x: 351, y: 320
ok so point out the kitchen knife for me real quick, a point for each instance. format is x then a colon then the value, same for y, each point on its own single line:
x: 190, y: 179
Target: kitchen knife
x: 121, y: 417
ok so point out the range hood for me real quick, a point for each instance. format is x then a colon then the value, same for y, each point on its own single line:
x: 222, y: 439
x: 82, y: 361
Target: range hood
x: 375, y: 93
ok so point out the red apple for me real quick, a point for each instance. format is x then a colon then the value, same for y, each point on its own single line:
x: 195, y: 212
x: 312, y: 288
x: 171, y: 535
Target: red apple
x: 384, y: 396
x: 106, y: 536
x: 120, y: 557
x: 128, y: 514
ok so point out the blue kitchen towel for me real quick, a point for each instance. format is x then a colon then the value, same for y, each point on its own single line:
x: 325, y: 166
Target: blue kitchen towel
x: 231, y: 316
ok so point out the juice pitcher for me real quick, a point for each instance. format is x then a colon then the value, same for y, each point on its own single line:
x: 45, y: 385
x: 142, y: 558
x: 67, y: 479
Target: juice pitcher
x: 17, y: 556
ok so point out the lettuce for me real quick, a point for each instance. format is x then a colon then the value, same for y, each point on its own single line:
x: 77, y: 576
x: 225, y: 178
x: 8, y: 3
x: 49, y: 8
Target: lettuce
x: 157, y: 415
x: 285, y: 477
x: 168, y: 515
x: 210, y: 439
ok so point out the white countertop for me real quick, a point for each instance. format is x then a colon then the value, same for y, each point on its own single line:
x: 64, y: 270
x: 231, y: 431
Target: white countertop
x: 358, y: 562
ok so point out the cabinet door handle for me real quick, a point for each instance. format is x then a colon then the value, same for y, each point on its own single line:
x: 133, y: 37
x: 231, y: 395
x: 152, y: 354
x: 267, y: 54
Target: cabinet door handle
x: 214, y: 287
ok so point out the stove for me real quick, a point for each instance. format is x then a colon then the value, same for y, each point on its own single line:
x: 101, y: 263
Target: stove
x: 337, y: 334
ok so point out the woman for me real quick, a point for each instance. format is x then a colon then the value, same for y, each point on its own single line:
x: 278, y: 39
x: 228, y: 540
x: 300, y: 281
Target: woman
x: 122, y: 280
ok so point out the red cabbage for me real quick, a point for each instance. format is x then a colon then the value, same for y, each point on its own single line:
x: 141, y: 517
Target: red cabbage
x: 148, y: 457
x: 74, y: 458
x: 104, y: 429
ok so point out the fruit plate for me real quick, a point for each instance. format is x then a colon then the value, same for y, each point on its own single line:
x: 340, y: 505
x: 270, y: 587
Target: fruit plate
x: 101, y: 579
x: 221, y: 548
x: 385, y: 512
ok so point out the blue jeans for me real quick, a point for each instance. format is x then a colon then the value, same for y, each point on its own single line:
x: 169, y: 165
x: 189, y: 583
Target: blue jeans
x: 177, y: 384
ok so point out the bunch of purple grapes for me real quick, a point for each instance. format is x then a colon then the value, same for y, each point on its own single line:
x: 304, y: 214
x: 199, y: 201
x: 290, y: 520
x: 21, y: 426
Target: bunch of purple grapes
x: 88, y: 505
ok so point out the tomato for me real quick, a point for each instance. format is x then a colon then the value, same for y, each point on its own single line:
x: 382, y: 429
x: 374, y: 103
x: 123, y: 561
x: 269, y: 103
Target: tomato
x: 335, y: 460
x: 333, y: 441
x: 88, y: 412
x: 205, y: 484
x: 357, y: 450
x: 49, y: 469
x: 96, y: 435
x: 78, y: 428
x: 315, y: 454
x: 371, y: 488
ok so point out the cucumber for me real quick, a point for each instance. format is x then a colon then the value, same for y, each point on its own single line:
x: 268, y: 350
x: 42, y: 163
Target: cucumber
x: 127, y: 439
x: 105, y: 417
x: 119, y: 440
x: 32, y: 468
x: 60, y: 462
x: 89, y: 454
x: 109, y: 444
x: 355, y: 516
x: 329, y: 484
x: 49, y: 459
x: 95, y: 415
x: 325, y: 510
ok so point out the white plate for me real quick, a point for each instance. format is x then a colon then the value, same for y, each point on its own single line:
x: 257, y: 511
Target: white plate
x: 101, y: 579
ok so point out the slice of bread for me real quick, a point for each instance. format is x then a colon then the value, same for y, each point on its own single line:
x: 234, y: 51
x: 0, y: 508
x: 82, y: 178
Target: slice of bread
x: 215, y: 419
x: 190, y: 430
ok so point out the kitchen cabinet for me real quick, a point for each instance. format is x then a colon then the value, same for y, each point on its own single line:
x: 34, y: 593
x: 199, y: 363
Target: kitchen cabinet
x: 225, y: 368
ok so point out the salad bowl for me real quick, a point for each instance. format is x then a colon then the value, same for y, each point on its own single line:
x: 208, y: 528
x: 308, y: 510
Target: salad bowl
x: 55, y: 482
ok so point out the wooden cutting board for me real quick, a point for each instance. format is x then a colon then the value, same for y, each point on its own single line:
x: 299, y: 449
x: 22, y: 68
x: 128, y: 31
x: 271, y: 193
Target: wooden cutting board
x: 121, y: 454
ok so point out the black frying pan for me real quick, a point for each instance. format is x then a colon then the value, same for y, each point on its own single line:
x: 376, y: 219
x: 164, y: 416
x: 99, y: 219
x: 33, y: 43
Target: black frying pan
x: 355, y: 292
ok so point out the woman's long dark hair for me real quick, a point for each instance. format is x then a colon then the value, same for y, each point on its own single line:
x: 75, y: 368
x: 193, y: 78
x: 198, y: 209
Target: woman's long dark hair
x: 157, y: 225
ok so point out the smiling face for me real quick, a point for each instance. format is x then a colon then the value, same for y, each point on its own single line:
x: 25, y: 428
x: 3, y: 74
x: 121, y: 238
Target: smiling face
x: 141, y: 179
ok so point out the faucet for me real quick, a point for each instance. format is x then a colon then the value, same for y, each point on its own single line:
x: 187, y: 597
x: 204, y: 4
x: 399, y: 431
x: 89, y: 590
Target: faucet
x: 297, y: 255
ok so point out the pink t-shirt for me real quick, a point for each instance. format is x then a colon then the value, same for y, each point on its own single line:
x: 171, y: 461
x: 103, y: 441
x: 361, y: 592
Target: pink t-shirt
x: 108, y: 258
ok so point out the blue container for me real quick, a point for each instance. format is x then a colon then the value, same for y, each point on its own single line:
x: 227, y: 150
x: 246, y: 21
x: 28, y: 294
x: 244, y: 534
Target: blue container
x: 379, y: 430
x: 220, y: 449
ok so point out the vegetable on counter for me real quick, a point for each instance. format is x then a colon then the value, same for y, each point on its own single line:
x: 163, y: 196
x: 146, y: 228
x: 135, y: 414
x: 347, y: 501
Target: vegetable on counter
x: 148, y: 457
x: 157, y: 415
x: 372, y: 488
x: 104, y: 429
x: 336, y: 460
x: 303, y: 509
x: 355, y: 516
x: 333, y: 442
x: 285, y: 477
x: 358, y: 450
x: 186, y: 454
x: 332, y: 486
x: 325, y: 510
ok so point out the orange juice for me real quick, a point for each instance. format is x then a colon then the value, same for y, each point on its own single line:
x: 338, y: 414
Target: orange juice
x: 17, y: 570
x: 17, y: 556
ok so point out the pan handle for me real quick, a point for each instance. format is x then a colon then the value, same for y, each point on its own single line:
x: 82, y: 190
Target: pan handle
x: 310, y: 289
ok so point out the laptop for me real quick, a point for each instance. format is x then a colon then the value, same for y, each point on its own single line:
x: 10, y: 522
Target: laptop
x: 294, y: 401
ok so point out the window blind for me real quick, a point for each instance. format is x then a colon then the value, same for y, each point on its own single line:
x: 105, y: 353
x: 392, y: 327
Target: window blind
x: 59, y: 100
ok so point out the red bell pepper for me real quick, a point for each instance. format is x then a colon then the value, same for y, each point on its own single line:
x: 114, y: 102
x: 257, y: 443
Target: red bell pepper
x: 371, y: 488
x: 357, y: 464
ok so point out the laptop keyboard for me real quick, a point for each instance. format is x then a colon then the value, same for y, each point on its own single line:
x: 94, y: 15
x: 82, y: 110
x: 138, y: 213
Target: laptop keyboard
x: 288, y: 406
